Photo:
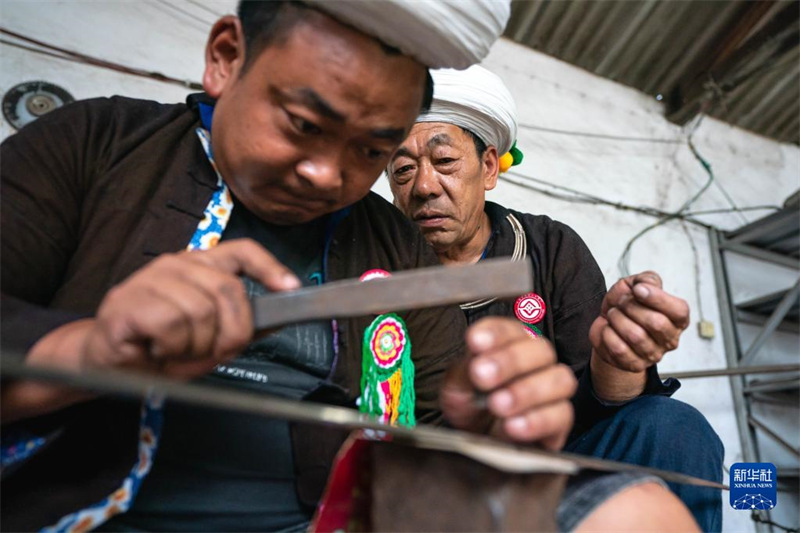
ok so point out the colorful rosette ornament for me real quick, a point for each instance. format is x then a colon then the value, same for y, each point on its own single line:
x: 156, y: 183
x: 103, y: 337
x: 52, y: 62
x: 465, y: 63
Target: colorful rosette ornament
x: 511, y: 158
x: 387, y: 373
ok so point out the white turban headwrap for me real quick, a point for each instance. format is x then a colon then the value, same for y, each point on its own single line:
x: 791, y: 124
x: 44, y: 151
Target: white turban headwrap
x: 477, y: 100
x: 437, y: 33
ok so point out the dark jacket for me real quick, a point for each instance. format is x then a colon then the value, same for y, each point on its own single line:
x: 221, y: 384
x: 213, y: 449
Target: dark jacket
x: 91, y: 193
x: 567, y: 278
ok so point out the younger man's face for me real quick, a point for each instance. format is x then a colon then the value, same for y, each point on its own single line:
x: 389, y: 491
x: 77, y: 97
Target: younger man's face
x: 312, y: 122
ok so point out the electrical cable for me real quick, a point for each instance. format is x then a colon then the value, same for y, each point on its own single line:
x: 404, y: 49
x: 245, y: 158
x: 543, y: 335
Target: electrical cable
x: 731, y: 210
x: 696, y: 270
x: 69, y: 55
x: 600, y: 135
x: 40, y: 51
x: 624, y: 260
x: 206, y: 23
x: 735, y: 208
x: 717, y: 94
x: 206, y: 8
x: 576, y: 196
x: 717, y: 183
x: 582, y: 196
x: 188, y: 22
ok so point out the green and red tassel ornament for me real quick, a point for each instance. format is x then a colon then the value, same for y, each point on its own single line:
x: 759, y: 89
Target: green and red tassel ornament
x: 387, y: 372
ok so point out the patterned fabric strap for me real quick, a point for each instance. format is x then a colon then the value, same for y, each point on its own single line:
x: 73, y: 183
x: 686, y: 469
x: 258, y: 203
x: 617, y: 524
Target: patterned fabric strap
x: 206, y: 236
x: 520, y: 251
x: 17, y: 448
x: 219, y: 209
x: 121, y: 499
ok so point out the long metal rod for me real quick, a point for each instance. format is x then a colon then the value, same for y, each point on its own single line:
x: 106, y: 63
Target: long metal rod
x: 721, y: 372
x: 729, y: 337
x: 773, y: 399
x: 791, y: 472
x: 754, y: 319
x: 764, y: 255
x: 782, y: 220
x: 776, y: 385
x: 773, y: 322
x: 774, y: 436
x: 501, y: 455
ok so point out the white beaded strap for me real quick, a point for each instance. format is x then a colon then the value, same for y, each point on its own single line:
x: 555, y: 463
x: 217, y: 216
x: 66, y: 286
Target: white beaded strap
x: 520, y: 251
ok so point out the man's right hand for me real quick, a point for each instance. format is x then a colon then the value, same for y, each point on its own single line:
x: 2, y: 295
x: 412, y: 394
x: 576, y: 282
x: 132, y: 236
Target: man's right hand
x: 183, y: 313
x: 179, y: 315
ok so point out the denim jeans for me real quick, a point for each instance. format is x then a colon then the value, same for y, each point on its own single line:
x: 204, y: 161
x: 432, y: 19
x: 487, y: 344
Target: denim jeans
x: 660, y: 432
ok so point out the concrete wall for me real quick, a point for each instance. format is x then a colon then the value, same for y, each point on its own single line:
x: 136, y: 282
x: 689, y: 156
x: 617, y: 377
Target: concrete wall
x: 169, y: 37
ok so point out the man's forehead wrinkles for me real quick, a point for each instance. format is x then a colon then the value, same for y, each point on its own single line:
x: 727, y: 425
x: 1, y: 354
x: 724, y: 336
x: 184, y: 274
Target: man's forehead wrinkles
x: 439, y: 139
x: 403, y: 152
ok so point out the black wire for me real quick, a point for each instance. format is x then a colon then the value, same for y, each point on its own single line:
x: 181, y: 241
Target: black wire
x: 733, y: 209
x: 601, y: 135
x: 206, y: 23
x: 167, y: 10
x: 557, y: 196
x: 584, y: 198
x: 42, y: 52
x: 576, y: 196
x: 77, y: 57
x: 623, y: 262
x: 588, y: 198
x: 205, y: 8
x: 696, y: 270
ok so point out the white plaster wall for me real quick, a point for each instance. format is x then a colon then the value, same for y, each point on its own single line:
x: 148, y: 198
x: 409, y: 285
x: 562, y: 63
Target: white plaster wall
x: 154, y: 35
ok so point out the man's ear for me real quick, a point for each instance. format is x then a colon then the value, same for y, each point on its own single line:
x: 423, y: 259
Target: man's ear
x: 490, y: 166
x: 224, y: 55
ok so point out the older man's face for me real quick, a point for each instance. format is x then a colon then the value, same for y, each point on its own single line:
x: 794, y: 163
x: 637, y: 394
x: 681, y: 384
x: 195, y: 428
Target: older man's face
x: 439, y: 182
x: 312, y: 122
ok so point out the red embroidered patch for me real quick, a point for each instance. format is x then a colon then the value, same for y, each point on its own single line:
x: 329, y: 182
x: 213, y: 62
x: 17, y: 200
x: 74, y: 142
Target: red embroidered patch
x: 530, y: 308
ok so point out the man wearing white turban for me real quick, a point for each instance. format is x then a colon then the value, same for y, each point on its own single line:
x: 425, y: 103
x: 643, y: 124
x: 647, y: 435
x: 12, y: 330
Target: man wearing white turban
x: 612, y: 341
x: 134, y: 232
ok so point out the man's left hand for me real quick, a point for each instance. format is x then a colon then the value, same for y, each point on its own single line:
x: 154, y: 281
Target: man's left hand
x: 638, y: 324
x: 526, y: 391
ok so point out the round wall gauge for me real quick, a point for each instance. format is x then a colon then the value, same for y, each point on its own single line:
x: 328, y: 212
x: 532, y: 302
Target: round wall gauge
x: 27, y: 101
